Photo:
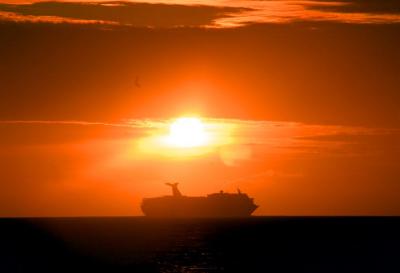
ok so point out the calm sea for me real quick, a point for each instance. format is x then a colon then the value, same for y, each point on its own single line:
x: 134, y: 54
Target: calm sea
x: 257, y: 244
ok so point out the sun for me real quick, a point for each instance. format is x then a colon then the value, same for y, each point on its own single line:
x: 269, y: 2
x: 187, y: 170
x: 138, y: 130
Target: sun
x: 187, y: 132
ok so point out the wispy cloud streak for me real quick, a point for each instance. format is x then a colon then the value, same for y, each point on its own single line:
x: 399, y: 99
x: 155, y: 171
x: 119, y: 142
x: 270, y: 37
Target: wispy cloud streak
x: 20, y: 18
x: 269, y: 136
x: 63, y: 122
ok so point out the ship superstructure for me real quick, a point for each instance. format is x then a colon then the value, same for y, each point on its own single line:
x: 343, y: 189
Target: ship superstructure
x: 213, y: 205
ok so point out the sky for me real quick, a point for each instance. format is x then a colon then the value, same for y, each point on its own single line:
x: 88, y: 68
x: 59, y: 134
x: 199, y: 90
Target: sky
x: 300, y: 100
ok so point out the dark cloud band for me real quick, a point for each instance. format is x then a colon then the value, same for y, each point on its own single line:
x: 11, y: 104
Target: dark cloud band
x: 210, y: 14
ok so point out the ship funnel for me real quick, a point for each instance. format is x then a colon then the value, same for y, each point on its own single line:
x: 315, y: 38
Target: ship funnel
x: 175, y: 190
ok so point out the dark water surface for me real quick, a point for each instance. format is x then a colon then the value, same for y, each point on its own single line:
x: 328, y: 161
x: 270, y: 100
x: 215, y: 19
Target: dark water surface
x: 259, y: 244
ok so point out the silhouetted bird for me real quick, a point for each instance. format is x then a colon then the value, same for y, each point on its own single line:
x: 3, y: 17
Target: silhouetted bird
x: 137, y: 83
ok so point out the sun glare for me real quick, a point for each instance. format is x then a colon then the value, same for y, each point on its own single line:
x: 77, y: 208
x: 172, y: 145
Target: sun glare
x: 187, y: 132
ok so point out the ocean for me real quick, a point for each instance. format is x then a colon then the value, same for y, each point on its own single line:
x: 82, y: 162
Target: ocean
x: 255, y: 244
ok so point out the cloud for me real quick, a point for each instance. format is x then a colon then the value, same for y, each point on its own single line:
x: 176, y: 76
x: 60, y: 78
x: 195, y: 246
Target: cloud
x: 118, y: 13
x: 20, y: 18
x: 194, y: 13
x: 234, y: 140
x: 49, y: 132
x: 62, y: 122
x: 361, y: 6
x: 261, y: 12
x: 369, y: 142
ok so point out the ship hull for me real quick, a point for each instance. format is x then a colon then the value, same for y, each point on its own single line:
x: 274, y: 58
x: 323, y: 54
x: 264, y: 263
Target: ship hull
x: 186, y: 207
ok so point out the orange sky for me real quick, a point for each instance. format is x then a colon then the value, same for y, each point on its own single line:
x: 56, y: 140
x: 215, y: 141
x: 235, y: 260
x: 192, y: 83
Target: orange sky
x: 301, y: 99
x: 75, y: 168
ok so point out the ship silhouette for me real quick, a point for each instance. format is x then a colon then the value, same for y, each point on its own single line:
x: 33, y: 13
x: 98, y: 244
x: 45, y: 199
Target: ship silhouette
x: 213, y: 205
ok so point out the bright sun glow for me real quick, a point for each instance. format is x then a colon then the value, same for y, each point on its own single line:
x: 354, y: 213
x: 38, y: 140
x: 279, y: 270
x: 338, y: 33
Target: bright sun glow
x: 187, y: 132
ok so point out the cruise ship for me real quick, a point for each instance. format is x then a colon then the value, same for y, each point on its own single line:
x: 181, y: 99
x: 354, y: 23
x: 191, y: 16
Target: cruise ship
x: 215, y: 205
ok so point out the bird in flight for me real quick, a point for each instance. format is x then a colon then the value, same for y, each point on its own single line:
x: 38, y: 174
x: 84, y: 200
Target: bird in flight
x: 137, y: 82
